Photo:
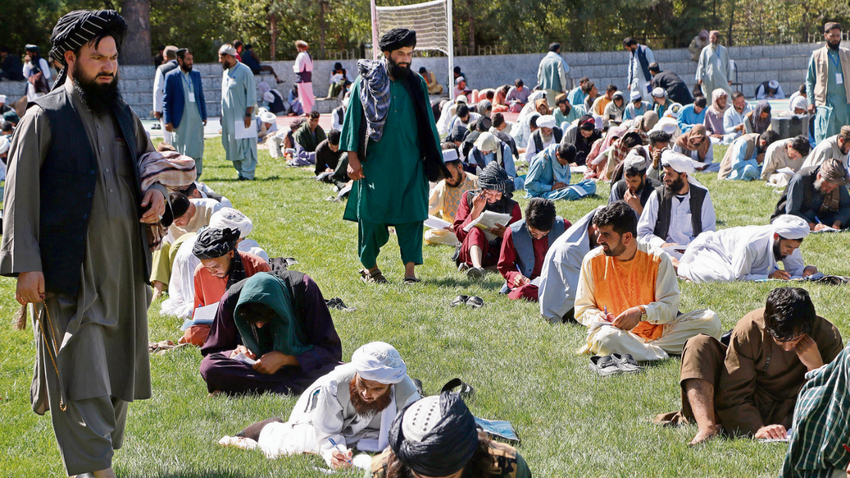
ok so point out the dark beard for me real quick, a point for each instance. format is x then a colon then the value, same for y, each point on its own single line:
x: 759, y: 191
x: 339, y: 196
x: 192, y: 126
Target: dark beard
x: 677, y: 186
x: 396, y: 71
x: 186, y: 69
x: 367, y: 409
x: 99, y: 99
x: 614, y: 252
x: 777, y: 255
x: 833, y: 46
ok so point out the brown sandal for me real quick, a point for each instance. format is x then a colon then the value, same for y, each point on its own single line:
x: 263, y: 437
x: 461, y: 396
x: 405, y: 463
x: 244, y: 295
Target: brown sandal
x: 373, y: 277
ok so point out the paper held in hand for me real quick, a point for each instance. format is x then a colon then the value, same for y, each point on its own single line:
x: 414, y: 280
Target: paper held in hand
x: 240, y: 357
x: 488, y: 220
x: 241, y: 132
x: 436, y: 223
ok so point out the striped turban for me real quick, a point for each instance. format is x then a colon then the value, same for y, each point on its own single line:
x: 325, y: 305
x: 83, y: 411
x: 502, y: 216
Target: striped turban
x: 79, y: 27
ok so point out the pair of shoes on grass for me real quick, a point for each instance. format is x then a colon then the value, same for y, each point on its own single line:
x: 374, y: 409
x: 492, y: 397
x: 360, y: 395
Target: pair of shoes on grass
x: 614, y: 364
x: 473, y: 301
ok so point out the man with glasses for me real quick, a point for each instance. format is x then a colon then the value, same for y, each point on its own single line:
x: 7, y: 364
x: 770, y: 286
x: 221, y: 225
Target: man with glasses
x: 749, y: 387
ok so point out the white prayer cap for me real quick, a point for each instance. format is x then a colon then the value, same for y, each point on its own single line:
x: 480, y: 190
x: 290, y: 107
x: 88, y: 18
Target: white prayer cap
x: 679, y: 162
x: 2, y: 98
x: 229, y: 217
x: 789, y: 226
x: 267, y: 117
x: 634, y: 160
x: 5, y: 144
x: 459, y: 79
x: 461, y: 99
x: 635, y: 96
x: 450, y: 155
x: 379, y: 362
x: 227, y: 49
x: 659, y: 92
x: 799, y: 102
x: 773, y: 84
x: 546, y: 121
x: 600, y: 122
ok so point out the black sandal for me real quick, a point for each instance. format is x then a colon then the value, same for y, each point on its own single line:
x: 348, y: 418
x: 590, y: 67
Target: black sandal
x: 411, y: 280
x: 373, y: 277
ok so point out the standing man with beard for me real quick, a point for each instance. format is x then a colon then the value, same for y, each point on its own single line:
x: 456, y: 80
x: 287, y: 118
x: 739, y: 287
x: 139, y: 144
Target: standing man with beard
x: 393, y: 151
x: 680, y: 210
x: 714, y: 69
x: 74, y: 169
x: 748, y: 253
x: 238, y: 101
x: 352, y: 406
x: 185, y: 109
x: 828, y: 84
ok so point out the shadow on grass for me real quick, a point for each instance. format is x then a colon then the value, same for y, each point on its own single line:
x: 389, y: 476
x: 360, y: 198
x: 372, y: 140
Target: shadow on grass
x: 191, y: 474
x: 269, y: 178
x: 461, y: 282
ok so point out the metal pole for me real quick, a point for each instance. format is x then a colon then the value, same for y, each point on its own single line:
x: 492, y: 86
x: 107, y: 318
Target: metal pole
x: 450, y: 27
x: 374, y: 30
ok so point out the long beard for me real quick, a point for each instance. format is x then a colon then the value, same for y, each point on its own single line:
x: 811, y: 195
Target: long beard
x: 675, y: 186
x: 833, y: 46
x: 777, y: 255
x: 99, y: 99
x: 396, y: 71
x: 367, y: 409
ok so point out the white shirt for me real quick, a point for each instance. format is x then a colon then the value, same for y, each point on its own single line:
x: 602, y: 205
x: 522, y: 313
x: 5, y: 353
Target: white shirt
x: 303, y: 62
x: 531, y: 150
x: 158, y: 91
x: 681, y: 230
x: 42, y: 63
x: 732, y: 118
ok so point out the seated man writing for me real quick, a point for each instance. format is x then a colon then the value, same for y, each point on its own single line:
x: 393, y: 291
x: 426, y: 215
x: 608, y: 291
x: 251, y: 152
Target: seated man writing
x: 561, y: 268
x: 280, y: 321
x: 818, y: 195
x: 549, y: 174
x: 524, y: 247
x: 748, y: 253
x: 445, y: 197
x: 635, y: 188
x: 784, y: 155
x: 750, y: 386
x: 328, y: 155
x: 352, y: 406
x: 681, y: 210
x: 449, y: 444
x: 628, y: 294
x: 476, y: 251
x: 745, y: 155
x: 547, y: 133
x: 222, y: 265
x: 310, y: 134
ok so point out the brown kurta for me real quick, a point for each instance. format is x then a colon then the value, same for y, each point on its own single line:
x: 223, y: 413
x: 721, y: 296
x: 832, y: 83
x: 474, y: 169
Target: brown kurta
x: 756, y: 382
x: 103, y: 355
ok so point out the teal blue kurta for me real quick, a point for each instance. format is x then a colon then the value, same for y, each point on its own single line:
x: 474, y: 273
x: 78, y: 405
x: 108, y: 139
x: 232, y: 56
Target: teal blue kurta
x: 189, y: 136
x: 828, y: 121
x: 238, y: 92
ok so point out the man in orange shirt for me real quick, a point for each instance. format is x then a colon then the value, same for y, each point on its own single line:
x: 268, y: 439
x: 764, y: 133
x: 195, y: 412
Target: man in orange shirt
x: 222, y: 265
x: 628, y: 295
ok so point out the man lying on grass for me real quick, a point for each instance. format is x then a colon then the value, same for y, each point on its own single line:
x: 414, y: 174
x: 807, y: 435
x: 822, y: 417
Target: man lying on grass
x: 751, y: 386
x: 352, y: 406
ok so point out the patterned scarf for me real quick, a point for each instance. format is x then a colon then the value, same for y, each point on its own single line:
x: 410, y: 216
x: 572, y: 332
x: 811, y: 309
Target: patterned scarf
x: 172, y: 170
x: 374, y: 95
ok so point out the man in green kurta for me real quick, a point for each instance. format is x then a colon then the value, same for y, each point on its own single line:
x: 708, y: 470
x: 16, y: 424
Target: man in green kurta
x: 72, y: 236
x: 389, y: 121
x: 827, y: 87
x: 185, y: 108
x: 238, y: 101
x: 714, y: 70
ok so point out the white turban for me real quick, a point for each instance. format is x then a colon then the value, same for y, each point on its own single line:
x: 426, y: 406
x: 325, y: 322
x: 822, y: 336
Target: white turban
x: 379, y: 362
x: 461, y: 99
x: 5, y: 144
x: 634, y: 160
x: 546, y: 121
x: 635, y: 96
x: 229, y: 217
x: 789, y: 226
x: 799, y: 102
x: 679, y: 162
x: 2, y: 98
x: 450, y: 155
x: 773, y: 84
x: 227, y: 49
x: 659, y: 92
x: 267, y: 116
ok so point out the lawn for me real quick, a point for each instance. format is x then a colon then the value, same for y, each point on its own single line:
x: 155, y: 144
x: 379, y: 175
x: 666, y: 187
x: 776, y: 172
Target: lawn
x: 524, y: 369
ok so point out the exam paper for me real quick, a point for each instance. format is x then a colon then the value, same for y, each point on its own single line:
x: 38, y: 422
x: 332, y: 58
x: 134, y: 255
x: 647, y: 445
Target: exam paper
x: 436, y: 223
x: 487, y: 220
x: 241, y: 132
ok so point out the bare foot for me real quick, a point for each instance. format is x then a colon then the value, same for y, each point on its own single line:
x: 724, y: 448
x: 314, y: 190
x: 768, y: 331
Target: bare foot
x: 703, y: 436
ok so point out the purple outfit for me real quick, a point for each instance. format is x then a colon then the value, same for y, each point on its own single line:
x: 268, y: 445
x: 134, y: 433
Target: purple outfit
x: 231, y: 376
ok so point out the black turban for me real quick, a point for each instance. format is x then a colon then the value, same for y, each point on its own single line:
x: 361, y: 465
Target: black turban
x: 82, y: 26
x: 446, y: 448
x: 213, y: 243
x: 397, y: 38
x: 495, y: 178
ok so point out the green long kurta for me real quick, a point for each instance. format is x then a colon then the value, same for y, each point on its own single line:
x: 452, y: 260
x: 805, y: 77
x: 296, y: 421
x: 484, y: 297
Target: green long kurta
x: 828, y: 121
x: 189, y: 136
x: 394, y: 190
x: 714, y: 70
x: 238, y: 92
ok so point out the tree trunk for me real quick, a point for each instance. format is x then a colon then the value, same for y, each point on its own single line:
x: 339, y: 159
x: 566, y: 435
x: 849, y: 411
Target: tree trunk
x: 730, y: 42
x: 137, y: 45
x: 470, y: 7
x: 322, y: 28
x: 273, y: 39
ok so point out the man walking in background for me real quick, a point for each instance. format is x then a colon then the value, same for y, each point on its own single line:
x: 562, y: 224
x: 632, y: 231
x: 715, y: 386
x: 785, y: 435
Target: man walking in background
x: 170, y: 54
x: 714, y: 69
x: 552, y: 74
x: 303, y: 69
x: 827, y: 87
x: 185, y: 109
x: 640, y: 57
x: 238, y: 98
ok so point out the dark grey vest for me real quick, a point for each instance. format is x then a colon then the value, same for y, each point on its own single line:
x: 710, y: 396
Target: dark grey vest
x: 524, y: 246
x: 68, y: 180
x: 538, y: 138
x: 665, y: 207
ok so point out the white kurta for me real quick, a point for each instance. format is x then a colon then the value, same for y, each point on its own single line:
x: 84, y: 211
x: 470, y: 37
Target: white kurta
x: 303, y: 62
x: 738, y: 253
x: 681, y: 230
x: 531, y: 150
x: 560, y: 272
x: 731, y: 119
x: 158, y: 103
x: 636, y: 78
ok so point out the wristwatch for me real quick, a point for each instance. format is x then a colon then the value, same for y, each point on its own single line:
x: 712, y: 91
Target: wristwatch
x: 642, y: 313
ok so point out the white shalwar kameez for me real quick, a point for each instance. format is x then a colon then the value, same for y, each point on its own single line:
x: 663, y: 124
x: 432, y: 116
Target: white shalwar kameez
x: 681, y: 230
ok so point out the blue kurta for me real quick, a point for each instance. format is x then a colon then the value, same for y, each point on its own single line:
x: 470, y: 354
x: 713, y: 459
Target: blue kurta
x: 238, y: 92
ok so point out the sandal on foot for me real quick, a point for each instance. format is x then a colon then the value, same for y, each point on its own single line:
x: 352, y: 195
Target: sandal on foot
x: 604, y: 366
x: 373, y: 277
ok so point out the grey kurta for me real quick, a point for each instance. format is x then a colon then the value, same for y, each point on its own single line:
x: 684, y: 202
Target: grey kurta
x: 238, y: 93
x: 714, y: 70
x: 189, y: 136
x: 103, y: 355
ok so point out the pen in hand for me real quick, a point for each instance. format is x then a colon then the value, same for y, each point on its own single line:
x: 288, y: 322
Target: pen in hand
x: 337, y: 447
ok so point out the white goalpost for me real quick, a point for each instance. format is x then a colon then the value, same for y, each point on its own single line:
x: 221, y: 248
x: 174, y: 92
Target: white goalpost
x: 431, y: 20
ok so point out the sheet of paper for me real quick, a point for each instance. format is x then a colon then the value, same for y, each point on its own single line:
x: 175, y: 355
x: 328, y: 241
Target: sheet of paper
x: 206, y: 312
x: 244, y: 359
x: 487, y: 220
x: 676, y: 251
x: 436, y: 223
x: 578, y: 169
x: 241, y: 132
x: 828, y: 229
x: 786, y: 171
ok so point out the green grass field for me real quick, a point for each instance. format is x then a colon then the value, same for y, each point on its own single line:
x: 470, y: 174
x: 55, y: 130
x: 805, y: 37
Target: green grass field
x: 524, y: 369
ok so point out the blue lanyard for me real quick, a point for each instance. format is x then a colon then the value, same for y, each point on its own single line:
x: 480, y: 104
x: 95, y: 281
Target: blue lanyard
x: 188, y: 82
x: 836, y: 62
